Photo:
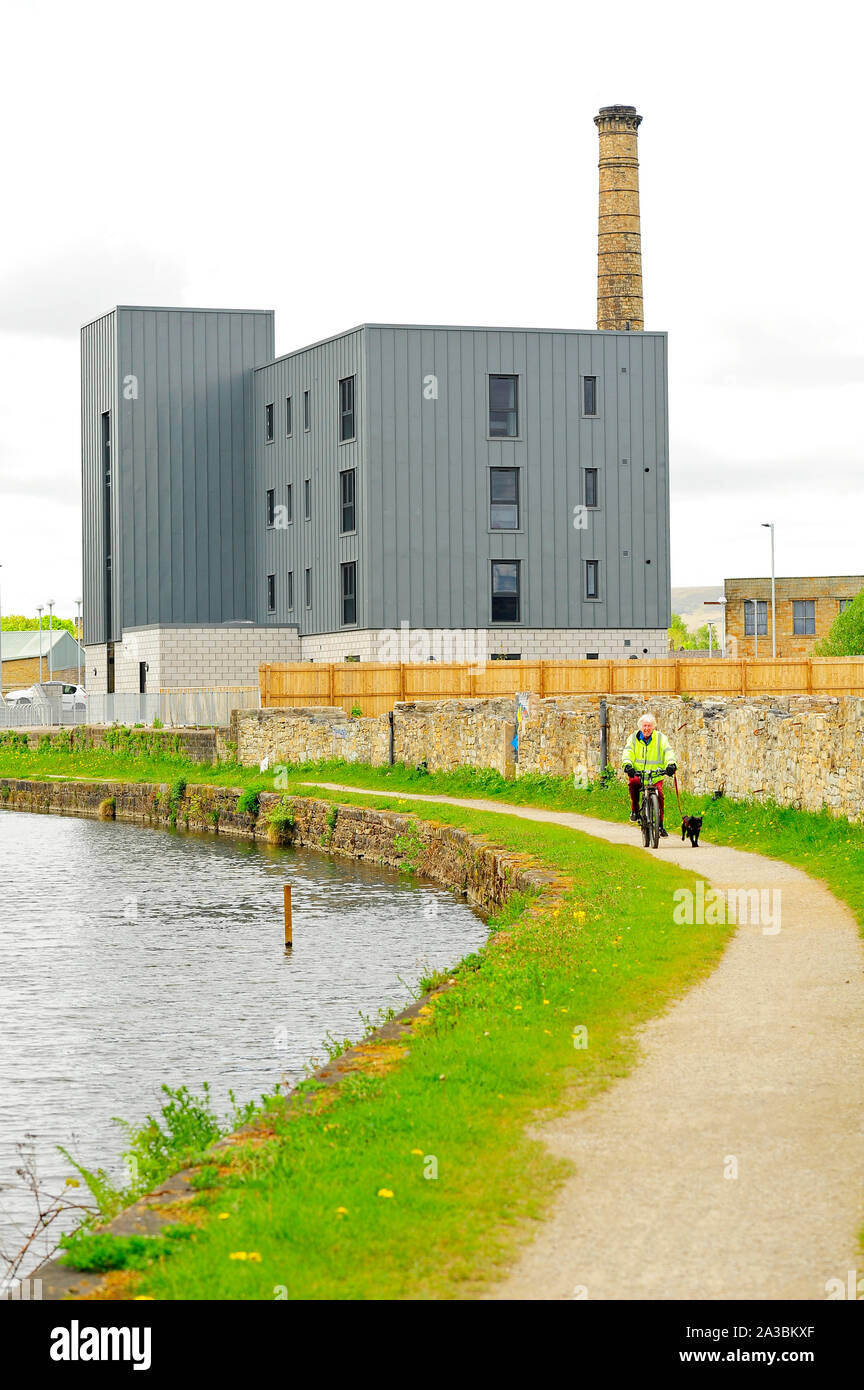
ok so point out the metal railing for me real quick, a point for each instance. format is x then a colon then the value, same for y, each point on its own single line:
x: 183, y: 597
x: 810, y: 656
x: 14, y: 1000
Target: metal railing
x: 175, y: 709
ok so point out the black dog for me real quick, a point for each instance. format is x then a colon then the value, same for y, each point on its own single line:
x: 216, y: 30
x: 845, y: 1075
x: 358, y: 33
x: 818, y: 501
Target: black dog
x: 690, y: 827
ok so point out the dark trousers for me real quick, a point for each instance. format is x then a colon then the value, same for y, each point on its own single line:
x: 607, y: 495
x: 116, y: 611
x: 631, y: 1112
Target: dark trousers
x: 635, y: 786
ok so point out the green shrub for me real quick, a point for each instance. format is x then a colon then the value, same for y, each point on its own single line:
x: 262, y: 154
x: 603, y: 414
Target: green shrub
x: 249, y: 804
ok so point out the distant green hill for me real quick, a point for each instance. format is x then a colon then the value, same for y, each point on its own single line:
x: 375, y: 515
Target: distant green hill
x: 689, y: 603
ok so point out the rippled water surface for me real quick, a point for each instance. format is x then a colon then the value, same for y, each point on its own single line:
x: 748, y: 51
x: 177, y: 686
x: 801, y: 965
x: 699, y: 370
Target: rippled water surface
x: 131, y: 956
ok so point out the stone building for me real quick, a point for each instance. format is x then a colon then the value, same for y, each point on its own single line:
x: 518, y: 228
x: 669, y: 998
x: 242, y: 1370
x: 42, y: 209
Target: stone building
x: 805, y: 608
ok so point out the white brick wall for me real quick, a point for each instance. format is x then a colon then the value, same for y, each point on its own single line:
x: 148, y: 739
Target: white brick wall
x: 211, y: 656
x: 533, y: 644
x: 191, y: 656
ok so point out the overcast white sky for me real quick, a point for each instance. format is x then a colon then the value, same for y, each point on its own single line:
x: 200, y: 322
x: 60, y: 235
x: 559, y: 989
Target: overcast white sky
x: 438, y: 163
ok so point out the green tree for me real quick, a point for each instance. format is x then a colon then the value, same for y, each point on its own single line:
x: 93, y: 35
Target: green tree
x: 846, y: 634
x: 681, y: 636
x: 16, y: 622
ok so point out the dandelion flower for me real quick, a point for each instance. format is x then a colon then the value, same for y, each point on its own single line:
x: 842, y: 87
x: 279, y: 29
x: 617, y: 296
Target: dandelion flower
x: 223, y: 1215
x: 384, y: 1192
x: 238, y: 1255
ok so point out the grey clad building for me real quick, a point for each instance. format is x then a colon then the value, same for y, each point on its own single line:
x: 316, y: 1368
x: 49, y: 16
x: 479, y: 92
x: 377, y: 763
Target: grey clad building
x: 501, y: 492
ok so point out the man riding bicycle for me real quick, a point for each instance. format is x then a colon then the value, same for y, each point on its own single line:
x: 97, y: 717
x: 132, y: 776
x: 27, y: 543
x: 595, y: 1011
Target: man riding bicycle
x: 647, y: 752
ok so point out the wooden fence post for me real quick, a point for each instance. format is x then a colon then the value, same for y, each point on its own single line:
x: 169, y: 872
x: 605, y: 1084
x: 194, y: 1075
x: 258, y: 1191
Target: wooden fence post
x: 743, y: 680
x: 809, y: 676
x: 402, y: 682
x: 330, y: 673
x: 542, y: 680
x: 289, y: 925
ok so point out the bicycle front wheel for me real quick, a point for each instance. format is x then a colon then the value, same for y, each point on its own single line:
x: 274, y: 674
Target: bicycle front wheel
x: 654, y: 819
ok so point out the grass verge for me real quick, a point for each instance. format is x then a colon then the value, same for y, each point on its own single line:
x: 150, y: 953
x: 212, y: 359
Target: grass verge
x: 414, y: 1177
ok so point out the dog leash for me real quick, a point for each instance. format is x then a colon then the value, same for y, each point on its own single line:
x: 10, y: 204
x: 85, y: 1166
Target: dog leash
x: 677, y: 797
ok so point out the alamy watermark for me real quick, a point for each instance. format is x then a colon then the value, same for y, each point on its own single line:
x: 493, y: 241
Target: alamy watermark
x: 714, y: 907
x: 409, y: 645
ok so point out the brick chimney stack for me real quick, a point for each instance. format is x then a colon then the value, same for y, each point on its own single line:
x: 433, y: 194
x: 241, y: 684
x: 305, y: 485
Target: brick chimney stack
x: 619, y: 240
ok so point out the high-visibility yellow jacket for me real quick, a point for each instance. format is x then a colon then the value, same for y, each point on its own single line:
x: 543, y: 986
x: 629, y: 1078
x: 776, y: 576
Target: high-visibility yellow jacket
x: 650, y: 757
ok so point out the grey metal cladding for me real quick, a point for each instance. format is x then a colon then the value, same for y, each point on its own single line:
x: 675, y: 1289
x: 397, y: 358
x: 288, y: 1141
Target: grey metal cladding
x: 318, y: 455
x: 179, y: 383
x: 98, y: 395
x: 188, y: 389
x: 428, y: 486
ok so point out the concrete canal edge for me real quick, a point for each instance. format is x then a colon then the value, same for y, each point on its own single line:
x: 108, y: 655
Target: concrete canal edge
x: 447, y: 855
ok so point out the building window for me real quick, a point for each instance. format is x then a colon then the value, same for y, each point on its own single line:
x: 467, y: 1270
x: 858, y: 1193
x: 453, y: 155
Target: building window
x: 346, y: 409
x: 308, y: 588
x: 503, y: 407
x: 505, y: 591
x: 307, y: 417
x: 271, y: 593
x: 289, y: 426
x: 289, y: 504
x: 347, y: 520
x: 349, y: 593
x: 804, y: 617
x: 592, y: 578
x: 271, y: 506
x: 290, y: 591
x: 589, y: 395
x: 591, y: 492
x: 504, y: 499
x: 844, y: 604
x: 268, y: 423
x: 761, y: 618
x: 307, y: 499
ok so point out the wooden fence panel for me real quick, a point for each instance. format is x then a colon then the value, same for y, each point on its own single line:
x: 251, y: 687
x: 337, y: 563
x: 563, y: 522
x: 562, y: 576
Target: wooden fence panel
x: 577, y: 677
x: 437, y: 680
x: 374, y: 687
x: 499, y: 678
x: 705, y: 677
x: 644, y: 677
x: 837, y: 675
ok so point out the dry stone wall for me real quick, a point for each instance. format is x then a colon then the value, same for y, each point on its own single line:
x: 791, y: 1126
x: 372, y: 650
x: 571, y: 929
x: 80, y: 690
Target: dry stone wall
x: 804, y: 751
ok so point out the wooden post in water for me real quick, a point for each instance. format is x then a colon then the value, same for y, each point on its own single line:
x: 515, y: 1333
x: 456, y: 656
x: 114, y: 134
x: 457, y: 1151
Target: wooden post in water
x: 289, y: 938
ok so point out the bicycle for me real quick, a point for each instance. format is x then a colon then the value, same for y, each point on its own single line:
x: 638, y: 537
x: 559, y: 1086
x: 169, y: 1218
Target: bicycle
x: 649, y: 810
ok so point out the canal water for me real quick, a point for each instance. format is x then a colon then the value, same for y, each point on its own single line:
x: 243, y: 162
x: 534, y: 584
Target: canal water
x: 132, y: 956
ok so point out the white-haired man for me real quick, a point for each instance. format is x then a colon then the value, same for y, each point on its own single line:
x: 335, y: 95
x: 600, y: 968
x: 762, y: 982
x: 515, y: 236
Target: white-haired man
x: 648, y: 752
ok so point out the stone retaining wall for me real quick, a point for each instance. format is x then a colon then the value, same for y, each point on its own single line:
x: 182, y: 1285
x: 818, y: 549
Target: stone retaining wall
x: 803, y: 751
x: 199, y: 745
x: 451, y: 857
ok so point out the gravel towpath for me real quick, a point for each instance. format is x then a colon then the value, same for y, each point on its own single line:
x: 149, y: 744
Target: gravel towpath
x: 759, y: 1071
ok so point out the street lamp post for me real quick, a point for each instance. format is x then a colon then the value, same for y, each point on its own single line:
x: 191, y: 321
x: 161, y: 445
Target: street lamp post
x: 770, y: 525
x: 718, y: 603
x: 40, y: 608
x: 78, y: 635
x: 50, y: 648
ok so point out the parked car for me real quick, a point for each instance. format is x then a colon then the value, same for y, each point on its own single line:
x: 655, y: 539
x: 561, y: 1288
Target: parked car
x: 44, y: 692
